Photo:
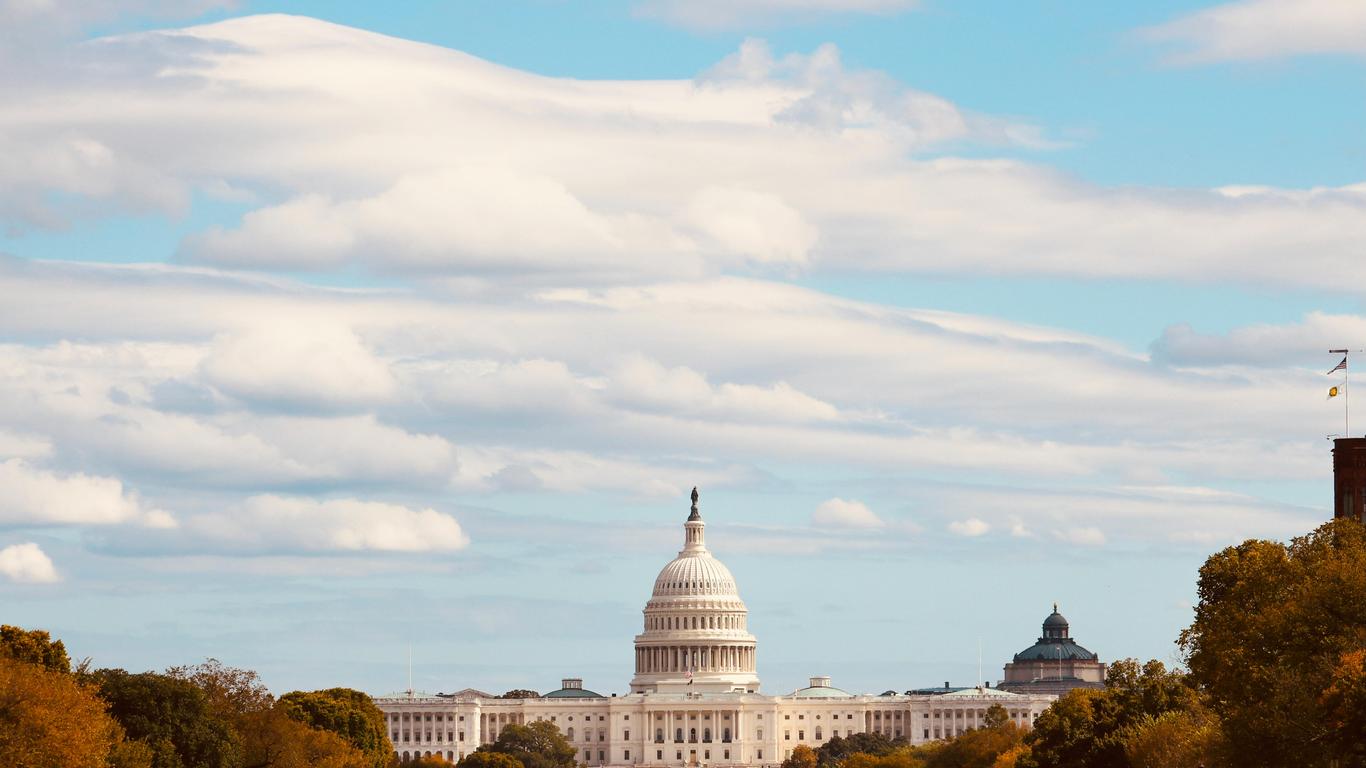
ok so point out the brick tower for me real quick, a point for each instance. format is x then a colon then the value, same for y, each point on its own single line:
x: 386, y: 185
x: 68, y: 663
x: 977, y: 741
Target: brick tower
x: 1349, y: 478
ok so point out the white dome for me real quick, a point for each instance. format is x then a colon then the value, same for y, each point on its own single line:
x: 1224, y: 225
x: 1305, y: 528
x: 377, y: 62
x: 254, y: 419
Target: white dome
x: 695, y: 574
x: 695, y: 637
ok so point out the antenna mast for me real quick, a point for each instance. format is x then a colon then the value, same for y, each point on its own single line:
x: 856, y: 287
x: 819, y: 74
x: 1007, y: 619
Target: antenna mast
x: 410, y: 670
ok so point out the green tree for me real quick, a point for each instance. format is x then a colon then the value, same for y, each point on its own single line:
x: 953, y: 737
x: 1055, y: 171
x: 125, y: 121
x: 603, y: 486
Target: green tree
x: 173, y: 717
x: 834, y: 751
x: 480, y: 759
x: 535, y: 745
x: 48, y: 719
x: 1272, y: 626
x: 802, y: 757
x: 350, y: 714
x: 520, y: 693
x: 34, y: 646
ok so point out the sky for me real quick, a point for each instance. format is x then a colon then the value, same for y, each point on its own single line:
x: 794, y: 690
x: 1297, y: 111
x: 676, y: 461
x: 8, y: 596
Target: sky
x: 332, y: 333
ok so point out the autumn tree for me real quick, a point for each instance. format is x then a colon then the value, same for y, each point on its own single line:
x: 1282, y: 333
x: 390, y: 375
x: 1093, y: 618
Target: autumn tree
x: 1344, y: 703
x: 350, y: 714
x: 534, y: 745
x: 1086, y: 728
x: 979, y: 748
x: 49, y: 719
x: 1273, y: 627
x: 34, y: 646
x: 1175, y: 739
x: 520, y: 693
x: 802, y: 757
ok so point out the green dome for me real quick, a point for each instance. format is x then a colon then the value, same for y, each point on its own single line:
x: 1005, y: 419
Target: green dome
x: 572, y: 688
x: 573, y: 693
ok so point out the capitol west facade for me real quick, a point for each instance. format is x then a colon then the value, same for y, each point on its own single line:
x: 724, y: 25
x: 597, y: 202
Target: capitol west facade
x: 695, y: 696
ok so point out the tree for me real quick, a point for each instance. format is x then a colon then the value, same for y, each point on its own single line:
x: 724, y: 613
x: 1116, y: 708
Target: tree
x: 48, y: 719
x: 838, y: 748
x: 172, y: 717
x: 231, y: 692
x: 34, y: 646
x: 350, y: 714
x: 802, y: 757
x: 1344, y: 703
x: 434, y: 761
x: 1271, y: 628
x: 979, y: 748
x: 1174, y: 739
x: 1085, y: 728
x: 480, y: 759
x: 535, y: 745
x: 520, y: 693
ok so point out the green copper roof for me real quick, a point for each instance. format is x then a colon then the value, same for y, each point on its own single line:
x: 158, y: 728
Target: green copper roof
x: 573, y: 693
x: 822, y: 692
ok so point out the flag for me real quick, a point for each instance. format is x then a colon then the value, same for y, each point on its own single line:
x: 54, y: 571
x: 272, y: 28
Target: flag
x: 1342, y: 366
x: 1332, y: 392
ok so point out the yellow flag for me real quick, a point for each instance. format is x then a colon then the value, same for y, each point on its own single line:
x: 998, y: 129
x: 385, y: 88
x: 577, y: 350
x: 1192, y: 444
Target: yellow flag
x: 1332, y: 392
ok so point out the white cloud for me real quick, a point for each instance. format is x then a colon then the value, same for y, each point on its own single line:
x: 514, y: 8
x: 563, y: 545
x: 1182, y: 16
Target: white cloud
x: 839, y: 513
x: 269, y: 523
x: 969, y: 527
x: 27, y: 564
x: 721, y: 14
x: 1085, y: 536
x: 31, y: 496
x: 643, y: 383
x: 1305, y: 343
x: 22, y: 446
x: 495, y: 176
x: 303, y: 365
x: 1265, y: 29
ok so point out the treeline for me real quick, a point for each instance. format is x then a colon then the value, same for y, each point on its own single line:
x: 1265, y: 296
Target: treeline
x: 1276, y: 677
x: 203, y: 716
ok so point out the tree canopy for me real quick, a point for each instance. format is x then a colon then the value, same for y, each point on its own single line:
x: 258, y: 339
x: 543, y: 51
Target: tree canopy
x: 34, y: 646
x: 48, y: 719
x: 172, y: 716
x: 350, y: 714
x: 534, y: 745
x: 478, y: 759
x: 1275, y: 641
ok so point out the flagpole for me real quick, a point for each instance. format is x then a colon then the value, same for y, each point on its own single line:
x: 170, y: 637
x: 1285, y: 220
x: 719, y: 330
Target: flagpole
x: 1346, y: 391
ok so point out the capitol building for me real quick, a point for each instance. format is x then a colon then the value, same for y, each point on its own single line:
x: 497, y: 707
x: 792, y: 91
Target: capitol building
x: 695, y: 697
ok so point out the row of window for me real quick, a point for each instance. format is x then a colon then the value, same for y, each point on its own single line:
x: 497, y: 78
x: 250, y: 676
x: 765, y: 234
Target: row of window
x: 835, y: 716
x: 410, y: 736
x: 440, y: 716
x: 692, y: 735
x: 726, y: 621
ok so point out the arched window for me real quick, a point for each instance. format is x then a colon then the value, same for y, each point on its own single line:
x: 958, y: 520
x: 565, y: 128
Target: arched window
x: 692, y: 735
x: 569, y: 734
x: 818, y: 733
x: 659, y: 735
x: 706, y: 734
x: 678, y: 735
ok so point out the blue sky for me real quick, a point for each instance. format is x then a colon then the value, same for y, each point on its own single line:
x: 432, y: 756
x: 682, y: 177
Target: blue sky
x: 320, y: 340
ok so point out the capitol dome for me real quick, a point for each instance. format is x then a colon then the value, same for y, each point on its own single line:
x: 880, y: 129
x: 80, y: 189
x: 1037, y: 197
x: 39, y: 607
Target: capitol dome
x: 695, y: 636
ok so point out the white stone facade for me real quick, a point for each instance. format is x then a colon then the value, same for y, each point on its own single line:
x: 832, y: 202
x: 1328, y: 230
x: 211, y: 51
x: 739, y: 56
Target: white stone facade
x: 695, y: 697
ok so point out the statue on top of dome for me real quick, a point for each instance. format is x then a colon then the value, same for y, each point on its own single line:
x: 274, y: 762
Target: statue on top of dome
x: 694, y: 515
